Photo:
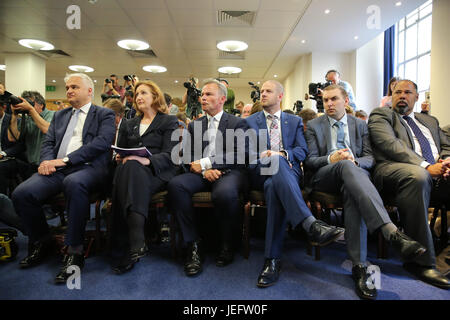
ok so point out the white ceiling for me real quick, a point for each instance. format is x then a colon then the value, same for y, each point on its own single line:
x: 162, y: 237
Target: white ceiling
x: 184, y: 33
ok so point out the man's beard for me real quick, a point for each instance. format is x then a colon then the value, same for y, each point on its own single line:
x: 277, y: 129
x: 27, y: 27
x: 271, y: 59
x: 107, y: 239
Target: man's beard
x: 401, y: 109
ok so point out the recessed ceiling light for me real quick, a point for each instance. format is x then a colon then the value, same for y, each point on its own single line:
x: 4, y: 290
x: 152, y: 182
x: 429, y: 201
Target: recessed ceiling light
x: 81, y: 68
x: 36, y: 44
x: 355, y: 37
x: 232, y: 45
x: 303, y: 41
x: 53, y: 81
x: 229, y: 70
x: 275, y: 76
x: 398, y: 4
x: 327, y: 11
x: 259, y: 82
x: 130, y: 44
x: 95, y: 81
x: 2, y: 67
x: 154, y: 69
x: 176, y: 81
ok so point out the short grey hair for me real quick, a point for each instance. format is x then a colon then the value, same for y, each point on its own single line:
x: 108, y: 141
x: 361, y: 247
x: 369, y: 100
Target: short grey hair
x: 223, y: 90
x: 87, y: 80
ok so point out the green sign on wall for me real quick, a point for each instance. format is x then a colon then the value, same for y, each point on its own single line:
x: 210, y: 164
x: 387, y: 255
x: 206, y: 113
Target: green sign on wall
x: 50, y: 88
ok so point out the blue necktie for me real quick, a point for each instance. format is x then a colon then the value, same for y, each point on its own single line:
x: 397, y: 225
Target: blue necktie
x: 68, y: 135
x: 340, y: 144
x: 423, y: 141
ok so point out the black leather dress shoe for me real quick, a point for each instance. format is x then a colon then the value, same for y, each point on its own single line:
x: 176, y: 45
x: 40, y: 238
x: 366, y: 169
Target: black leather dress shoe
x: 408, y: 248
x: 428, y: 275
x: 193, y: 264
x: 320, y: 234
x: 69, y: 260
x: 360, y: 276
x: 225, y: 256
x: 37, y: 252
x: 270, y: 273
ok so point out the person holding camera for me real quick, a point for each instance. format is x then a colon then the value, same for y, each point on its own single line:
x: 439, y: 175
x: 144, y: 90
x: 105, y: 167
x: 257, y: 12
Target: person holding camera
x: 334, y: 77
x: 111, y: 87
x: 192, y: 98
x: 229, y: 104
x: 33, y: 119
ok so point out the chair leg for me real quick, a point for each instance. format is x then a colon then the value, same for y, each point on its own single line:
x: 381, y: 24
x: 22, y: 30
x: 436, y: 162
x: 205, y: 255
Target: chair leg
x: 98, y: 232
x: 246, y: 231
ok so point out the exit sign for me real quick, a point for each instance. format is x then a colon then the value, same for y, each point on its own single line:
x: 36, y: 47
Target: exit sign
x: 50, y: 88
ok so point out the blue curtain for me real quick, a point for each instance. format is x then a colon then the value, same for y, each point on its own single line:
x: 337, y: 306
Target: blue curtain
x: 389, y: 51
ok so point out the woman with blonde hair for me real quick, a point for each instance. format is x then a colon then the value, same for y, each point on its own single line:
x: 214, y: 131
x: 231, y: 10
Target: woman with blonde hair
x: 137, y: 178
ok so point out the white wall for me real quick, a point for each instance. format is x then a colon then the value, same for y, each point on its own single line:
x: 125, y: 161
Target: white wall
x: 369, y: 74
x: 296, y: 84
x: 440, y: 67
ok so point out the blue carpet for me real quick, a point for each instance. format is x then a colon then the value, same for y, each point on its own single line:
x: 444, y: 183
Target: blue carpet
x: 159, y: 277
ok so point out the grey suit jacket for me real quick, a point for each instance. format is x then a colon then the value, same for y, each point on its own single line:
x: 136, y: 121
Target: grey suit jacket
x: 318, y: 137
x: 392, y: 140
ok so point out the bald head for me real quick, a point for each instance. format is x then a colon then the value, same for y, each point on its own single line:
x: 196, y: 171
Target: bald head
x: 271, y: 96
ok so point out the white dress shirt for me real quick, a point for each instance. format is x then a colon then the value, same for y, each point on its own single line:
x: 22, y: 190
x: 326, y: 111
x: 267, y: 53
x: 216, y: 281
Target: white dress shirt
x: 77, y: 139
x: 206, y: 162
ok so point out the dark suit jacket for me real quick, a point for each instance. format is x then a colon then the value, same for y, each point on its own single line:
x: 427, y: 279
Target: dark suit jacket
x: 157, y: 139
x: 318, y: 136
x: 11, y: 148
x: 392, y: 140
x: 219, y: 161
x: 291, y: 134
x: 98, y: 135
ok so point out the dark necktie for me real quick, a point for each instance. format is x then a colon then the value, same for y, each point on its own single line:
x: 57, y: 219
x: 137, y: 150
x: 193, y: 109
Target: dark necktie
x: 423, y: 141
x: 340, y: 144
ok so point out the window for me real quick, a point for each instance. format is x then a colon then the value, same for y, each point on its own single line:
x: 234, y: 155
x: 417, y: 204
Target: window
x: 413, y: 49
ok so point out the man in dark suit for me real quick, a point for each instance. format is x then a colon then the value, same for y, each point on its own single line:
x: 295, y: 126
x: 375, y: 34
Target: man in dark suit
x: 74, y: 160
x: 413, y: 164
x: 215, y: 168
x: 5, y: 144
x: 340, y: 158
x: 276, y: 170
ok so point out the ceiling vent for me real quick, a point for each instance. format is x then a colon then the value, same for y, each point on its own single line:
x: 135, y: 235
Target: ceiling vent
x: 231, y: 55
x: 142, y: 53
x: 236, y: 18
x: 54, y: 53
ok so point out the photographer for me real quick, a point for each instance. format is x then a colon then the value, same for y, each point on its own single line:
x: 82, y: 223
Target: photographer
x: 111, y: 87
x: 29, y: 124
x: 229, y: 104
x: 192, y: 98
x: 334, y: 77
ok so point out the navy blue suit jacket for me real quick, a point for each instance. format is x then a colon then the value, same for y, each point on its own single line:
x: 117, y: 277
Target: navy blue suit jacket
x: 98, y: 134
x: 157, y: 139
x: 291, y: 133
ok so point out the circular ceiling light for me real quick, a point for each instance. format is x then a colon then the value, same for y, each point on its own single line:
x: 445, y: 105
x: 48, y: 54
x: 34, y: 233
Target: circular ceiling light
x: 81, y: 68
x: 36, y: 44
x: 398, y: 4
x: 327, y: 11
x: 2, y: 67
x: 232, y: 46
x: 154, y: 69
x: 130, y: 44
x: 229, y: 70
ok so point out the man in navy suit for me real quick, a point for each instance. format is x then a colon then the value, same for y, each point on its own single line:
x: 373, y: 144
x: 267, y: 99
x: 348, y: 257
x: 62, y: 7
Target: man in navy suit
x: 340, y: 158
x: 74, y: 160
x: 214, y: 167
x: 413, y: 165
x: 276, y: 170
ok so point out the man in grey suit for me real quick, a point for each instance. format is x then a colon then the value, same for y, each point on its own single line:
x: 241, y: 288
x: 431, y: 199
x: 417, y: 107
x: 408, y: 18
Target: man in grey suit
x: 340, y: 158
x: 412, y: 155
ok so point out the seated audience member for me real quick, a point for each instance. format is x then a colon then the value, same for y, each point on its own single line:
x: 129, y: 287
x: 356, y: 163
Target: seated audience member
x: 335, y: 78
x: 340, y: 159
x: 27, y: 129
x: 5, y: 144
x: 289, y: 111
x: 130, y: 112
x: 74, y: 160
x: 137, y: 178
x: 256, y: 107
x: 246, y: 110
x: 173, y: 109
x: 349, y: 110
x: 307, y: 114
x: 277, y: 172
x: 361, y: 114
x: 181, y: 116
x: 386, y: 101
x: 412, y: 165
x: 239, y: 106
x: 211, y: 171
x: 446, y: 130
x: 425, y: 107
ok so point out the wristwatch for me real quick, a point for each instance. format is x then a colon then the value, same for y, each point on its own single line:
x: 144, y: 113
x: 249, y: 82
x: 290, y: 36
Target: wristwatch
x: 66, y: 160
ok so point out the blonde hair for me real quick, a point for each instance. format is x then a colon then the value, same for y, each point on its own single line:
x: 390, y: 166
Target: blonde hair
x: 159, y: 103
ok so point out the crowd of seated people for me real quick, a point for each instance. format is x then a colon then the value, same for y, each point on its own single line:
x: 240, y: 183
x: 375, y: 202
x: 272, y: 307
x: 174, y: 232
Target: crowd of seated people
x: 398, y: 152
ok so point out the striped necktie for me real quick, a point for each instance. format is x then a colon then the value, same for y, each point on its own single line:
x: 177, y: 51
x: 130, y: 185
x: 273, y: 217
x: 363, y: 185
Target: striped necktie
x: 423, y: 141
x: 275, y: 138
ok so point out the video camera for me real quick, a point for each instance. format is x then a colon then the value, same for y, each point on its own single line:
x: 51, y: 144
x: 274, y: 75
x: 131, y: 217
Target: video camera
x: 192, y: 89
x: 315, y: 94
x: 298, y: 106
x: 129, y: 77
x: 255, y: 94
x: 105, y: 97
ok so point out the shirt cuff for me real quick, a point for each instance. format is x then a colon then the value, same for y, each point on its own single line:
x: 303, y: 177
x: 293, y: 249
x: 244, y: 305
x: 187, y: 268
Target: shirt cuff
x: 328, y: 158
x: 205, y: 163
x: 425, y: 164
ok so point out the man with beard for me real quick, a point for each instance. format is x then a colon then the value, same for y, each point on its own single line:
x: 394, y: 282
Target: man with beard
x: 412, y: 155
